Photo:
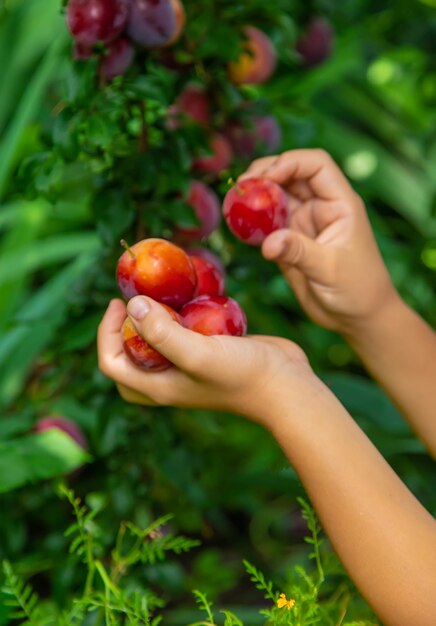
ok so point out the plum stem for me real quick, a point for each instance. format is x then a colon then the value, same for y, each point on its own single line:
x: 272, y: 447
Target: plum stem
x: 125, y: 245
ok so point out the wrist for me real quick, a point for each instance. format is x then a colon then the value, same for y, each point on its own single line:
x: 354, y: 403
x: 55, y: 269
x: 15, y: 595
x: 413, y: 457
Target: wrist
x: 357, y: 329
x: 291, y: 397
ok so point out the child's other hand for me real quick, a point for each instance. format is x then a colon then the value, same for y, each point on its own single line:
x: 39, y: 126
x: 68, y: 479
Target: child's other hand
x: 328, y: 255
x: 245, y: 375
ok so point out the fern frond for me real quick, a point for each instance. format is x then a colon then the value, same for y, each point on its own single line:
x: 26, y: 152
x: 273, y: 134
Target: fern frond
x: 204, y: 604
x: 154, y: 527
x: 152, y: 551
x: 315, y: 529
x: 231, y: 619
x: 82, y: 529
x: 135, y: 607
x: 258, y: 578
x: 19, y: 596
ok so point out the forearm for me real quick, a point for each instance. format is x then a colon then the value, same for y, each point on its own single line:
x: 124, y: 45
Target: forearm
x: 399, y: 349
x: 383, y: 536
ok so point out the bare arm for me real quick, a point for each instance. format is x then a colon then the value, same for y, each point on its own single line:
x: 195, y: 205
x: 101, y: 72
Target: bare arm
x: 385, y: 539
x: 399, y: 349
x: 383, y: 536
x: 330, y: 258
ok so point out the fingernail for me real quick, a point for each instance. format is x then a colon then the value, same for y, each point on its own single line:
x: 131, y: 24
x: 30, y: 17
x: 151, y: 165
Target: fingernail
x: 138, y: 308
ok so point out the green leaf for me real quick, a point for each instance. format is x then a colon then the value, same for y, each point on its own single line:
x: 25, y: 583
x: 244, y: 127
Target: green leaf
x: 26, y: 110
x: 46, y: 252
x: 38, y: 457
x: 38, y: 322
x: 25, y: 34
x: 15, y: 425
x: 28, y: 344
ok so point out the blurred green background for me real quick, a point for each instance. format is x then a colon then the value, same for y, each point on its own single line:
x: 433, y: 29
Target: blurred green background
x: 373, y: 106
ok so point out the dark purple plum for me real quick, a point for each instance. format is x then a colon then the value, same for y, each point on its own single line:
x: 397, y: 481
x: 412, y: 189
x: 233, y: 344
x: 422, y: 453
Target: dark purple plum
x: 118, y: 59
x: 152, y: 23
x: 91, y: 21
x: 316, y: 45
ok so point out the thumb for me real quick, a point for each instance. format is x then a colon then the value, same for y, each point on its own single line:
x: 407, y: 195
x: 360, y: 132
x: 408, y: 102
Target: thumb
x: 154, y: 323
x: 294, y: 250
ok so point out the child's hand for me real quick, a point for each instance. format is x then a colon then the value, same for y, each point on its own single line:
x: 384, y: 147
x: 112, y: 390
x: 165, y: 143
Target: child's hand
x: 240, y: 374
x: 329, y: 255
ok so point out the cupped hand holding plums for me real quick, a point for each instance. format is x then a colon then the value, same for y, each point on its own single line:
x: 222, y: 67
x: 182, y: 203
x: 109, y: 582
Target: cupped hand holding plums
x: 178, y: 315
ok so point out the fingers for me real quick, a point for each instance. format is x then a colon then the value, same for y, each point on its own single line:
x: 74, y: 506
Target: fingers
x: 302, y: 221
x: 294, y: 250
x: 314, y: 166
x: 134, y: 397
x: 135, y: 385
x: 109, y: 338
x: 259, y: 167
x: 186, y: 349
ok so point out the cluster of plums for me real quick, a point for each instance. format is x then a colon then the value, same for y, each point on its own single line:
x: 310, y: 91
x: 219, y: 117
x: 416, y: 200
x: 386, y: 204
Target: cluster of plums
x: 113, y: 28
x: 190, y: 284
x: 150, y: 24
x: 119, y: 25
x: 242, y: 137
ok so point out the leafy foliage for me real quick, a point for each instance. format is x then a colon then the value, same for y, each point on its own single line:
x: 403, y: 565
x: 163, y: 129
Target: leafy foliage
x: 36, y: 457
x: 108, y: 595
x: 82, y: 166
x: 20, y: 596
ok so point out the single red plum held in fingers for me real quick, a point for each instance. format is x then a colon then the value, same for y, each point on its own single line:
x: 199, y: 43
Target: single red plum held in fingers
x: 118, y: 59
x: 158, y: 269
x: 152, y: 23
x: 254, y: 208
x: 139, y: 351
x: 210, y: 281
x: 67, y: 426
x: 91, y: 21
x: 214, y: 315
x: 206, y: 206
x: 220, y: 158
x: 257, y: 63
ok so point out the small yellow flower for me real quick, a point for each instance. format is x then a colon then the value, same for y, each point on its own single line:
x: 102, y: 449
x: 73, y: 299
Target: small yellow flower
x: 284, y: 602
